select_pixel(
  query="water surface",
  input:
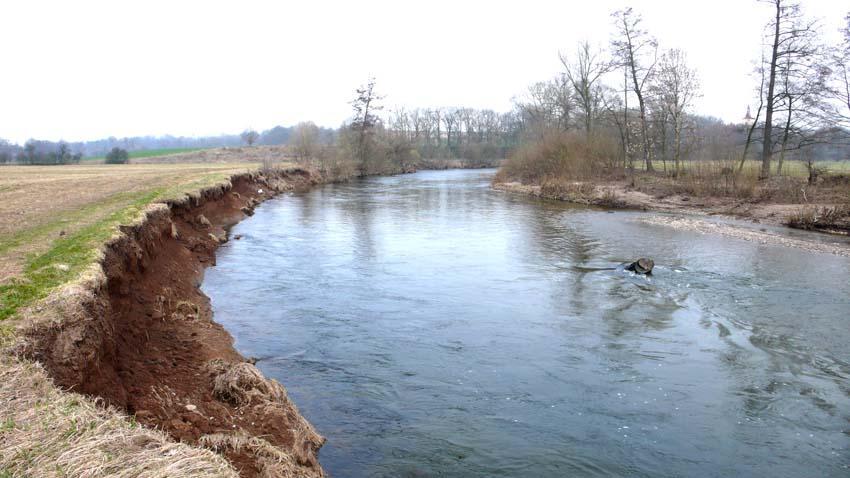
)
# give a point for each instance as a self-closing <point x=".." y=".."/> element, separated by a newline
<point x="430" y="326"/>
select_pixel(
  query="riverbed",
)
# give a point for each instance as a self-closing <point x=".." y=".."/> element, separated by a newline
<point x="428" y="325"/>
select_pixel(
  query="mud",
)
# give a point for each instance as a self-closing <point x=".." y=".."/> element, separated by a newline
<point x="144" y="340"/>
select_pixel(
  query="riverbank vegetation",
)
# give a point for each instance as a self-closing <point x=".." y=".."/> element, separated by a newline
<point x="405" y="140"/>
<point x="622" y="114"/>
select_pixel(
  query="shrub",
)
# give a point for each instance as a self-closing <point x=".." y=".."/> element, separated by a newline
<point x="829" y="217"/>
<point x="562" y="156"/>
<point x="117" y="156"/>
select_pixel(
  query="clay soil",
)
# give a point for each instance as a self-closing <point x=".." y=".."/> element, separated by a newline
<point x="149" y="345"/>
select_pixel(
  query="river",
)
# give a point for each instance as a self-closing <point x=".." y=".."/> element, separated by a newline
<point x="428" y="325"/>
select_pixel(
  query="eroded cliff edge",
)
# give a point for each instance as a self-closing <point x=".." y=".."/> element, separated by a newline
<point x="137" y="333"/>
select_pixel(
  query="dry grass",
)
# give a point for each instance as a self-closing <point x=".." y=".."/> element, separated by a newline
<point x="242" y="384"/>
<point x="239" y="383"/>
<point x="701" y="179"/>
<point x="49" y="433"/>
<point x="834" y="218"/>
<point x="273" y="461"/>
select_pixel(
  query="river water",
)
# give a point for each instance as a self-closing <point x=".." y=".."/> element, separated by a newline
<point x="430" y="326"/>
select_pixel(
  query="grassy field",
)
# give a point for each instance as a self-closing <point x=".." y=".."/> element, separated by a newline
<point x="53" y="219"/>
<point x="789" y="168"/>
<point x="145" y="153"/>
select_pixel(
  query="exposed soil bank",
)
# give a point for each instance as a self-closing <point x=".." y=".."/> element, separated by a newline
<point x="143" y="339"/>
<point x="618" y="195"/>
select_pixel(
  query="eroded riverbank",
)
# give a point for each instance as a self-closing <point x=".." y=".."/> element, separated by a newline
<point x="138" y="334"/>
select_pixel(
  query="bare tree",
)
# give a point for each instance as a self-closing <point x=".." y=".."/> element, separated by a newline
<point x="791" y="43"/>
<point x="305" y="140"/>
<point x="584" y="72"/>
<point x="365" y="104"/>
<point x="249" y="136"/>
<point x="435" y="119"/>
<point x="418" y="122"/>
<point x="613" y="107"/>
<point x="547" y="105"/>
<point x="675" y="87"/>
<point x="637" y="52"/>
<point x="802" y="94"/>
<point x="451" y="118"/>
<point x="838" y="88"/>
<point x="401" y="124"/>
<point x="466" y="126"/>
<point x="755" y="121"/>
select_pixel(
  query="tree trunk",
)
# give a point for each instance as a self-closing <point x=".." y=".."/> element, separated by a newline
<point x="784" y="138"/>
<point x="767" y="142"/>
<point x="627" y="143"/>
<point x="644" y="133"/>
<point x="678" y="152"/>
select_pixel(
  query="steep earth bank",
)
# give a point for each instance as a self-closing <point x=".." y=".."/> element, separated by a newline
<point x="142" y="337"/>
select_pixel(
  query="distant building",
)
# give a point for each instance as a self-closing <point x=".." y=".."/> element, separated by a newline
<point x="748" y="119"/>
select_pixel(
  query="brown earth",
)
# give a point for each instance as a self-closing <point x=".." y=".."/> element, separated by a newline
<point x="144" y="340"/>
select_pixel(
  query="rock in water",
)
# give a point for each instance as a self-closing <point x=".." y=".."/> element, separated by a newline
<point x="641" y="266"/>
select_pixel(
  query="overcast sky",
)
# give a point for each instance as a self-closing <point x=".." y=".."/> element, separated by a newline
<point x="85" y="70"/>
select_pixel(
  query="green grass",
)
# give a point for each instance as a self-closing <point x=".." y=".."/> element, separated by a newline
<point x="25" y="236"/>
<point x="76" y="251"/>
<point x="69" y="256"/>
<point x="789" y="167"/>
<point x="146" y="153"/>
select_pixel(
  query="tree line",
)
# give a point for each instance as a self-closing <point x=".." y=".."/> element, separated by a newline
<point x="373" y="141"/>
<point x="456" y="132"/>
<point x="64" y="152"/>
<point x="39" y="152"/>
<point x="641" y="96"/>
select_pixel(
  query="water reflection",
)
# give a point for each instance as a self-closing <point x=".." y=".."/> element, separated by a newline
<point x="428" y="325"/>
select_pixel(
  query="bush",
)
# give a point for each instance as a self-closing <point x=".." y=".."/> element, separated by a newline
<point x="117" y="156"/>
<point x="829" y="217"/>
<point x="562" y="156"/>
